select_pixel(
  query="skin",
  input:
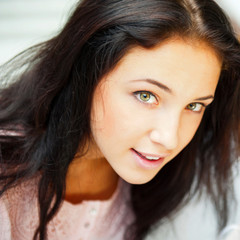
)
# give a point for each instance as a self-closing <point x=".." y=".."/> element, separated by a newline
<point x="153" y="102"/>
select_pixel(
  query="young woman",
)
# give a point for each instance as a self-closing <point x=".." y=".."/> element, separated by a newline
<point x="109" y="127"/>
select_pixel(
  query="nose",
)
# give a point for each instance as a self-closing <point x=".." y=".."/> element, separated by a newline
<point x="165" y="131"/>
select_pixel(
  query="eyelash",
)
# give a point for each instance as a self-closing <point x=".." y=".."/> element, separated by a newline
<point x="137" y="95"/>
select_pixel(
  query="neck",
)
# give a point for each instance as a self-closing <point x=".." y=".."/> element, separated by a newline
<point x="90" y="179"/>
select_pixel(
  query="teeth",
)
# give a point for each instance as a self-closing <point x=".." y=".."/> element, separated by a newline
<point x="152" y="158"/>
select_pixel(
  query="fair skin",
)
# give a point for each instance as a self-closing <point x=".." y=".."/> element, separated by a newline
<point x="145" y="111"/>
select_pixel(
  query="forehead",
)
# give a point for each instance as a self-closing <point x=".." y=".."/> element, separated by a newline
<point x="174" y="49"/>
<point x="175" y="62"/>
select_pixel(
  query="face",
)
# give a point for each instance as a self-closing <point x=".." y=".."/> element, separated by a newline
<point x="149" y="107"/>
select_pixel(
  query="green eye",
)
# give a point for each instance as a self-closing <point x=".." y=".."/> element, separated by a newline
<point x="144" y="96"/>
<point x="191" y="106"/>
<point x="195" y="107"/>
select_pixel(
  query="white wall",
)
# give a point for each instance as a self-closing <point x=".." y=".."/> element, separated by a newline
<point x="27" y="22"/>
<point x="232" y="7"/>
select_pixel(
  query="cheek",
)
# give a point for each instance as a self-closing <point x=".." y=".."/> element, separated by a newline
<point x="110" y="118"/>
<point x="188" y="130"/>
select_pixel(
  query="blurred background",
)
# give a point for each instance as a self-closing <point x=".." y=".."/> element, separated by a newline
<point x="26" y="22"/>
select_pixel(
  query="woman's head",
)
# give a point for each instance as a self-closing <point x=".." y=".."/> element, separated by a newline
<point x="151" y="104"/>
<point x="104" y="33"/>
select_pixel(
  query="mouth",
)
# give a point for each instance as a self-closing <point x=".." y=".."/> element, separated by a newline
<point x="146" y="156"/>
<point x="148" y="160"/>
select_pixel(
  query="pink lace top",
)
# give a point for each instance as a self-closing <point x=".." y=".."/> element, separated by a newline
<point x="90" y="220"/>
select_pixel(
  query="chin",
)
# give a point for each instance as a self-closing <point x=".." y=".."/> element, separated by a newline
<point x="138" y="180"/>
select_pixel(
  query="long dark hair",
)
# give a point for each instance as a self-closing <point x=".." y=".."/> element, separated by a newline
<point x="46" y="103"/>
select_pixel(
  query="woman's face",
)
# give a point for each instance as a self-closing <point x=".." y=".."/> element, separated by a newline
<point x="149" y="107"/>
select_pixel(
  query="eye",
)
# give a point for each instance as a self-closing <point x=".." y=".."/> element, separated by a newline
<point x="146" y="97"/>
<point x="195" y="107"/>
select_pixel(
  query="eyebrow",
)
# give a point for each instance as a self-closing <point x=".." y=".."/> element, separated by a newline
<point x="158" y="84"/>
<point x="204" y="98"/>
<point x="168" y="90"/>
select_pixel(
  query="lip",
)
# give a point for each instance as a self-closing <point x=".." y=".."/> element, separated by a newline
<point x="146" y="163"/>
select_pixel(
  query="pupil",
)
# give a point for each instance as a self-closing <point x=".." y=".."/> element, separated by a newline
<point x="145" y="96"/>
<point x="192" y="106"/>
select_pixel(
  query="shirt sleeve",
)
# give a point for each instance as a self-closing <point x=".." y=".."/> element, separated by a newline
<point x="5" y="225"/>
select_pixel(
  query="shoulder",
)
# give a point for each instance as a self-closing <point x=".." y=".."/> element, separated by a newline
<point x="5" y="226"/>
<point x="19" y="211"/>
